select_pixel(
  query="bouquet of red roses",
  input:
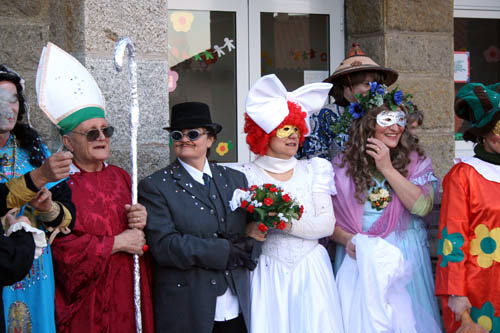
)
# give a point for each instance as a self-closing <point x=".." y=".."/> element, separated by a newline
<point x="269" y="205"/>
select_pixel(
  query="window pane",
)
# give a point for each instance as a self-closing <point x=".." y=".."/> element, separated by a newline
<point x="481" y="38"/>
<point x="202" y="60"/>
<point x="295" y="47"/>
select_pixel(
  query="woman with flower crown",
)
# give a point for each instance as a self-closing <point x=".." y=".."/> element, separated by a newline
<point x="385" y="184"/>
<point x="292" y="288"/>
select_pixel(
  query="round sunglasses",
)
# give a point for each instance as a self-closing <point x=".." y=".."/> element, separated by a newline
<point x="192" y="135"/>
<point x="94" y="134"/>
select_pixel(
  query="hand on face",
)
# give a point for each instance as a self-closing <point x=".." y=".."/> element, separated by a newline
<point x="380" y="153"/>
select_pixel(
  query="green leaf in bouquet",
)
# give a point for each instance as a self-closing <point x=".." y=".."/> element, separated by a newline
<point x="260" y="196"/>
<point x="261" y="213"/>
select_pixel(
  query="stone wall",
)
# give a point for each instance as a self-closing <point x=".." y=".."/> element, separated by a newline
<point x="416" y="39"/>
<point x="88" y="29"/>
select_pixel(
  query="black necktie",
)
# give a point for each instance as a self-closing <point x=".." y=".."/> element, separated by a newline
<point x="206" y="179"/>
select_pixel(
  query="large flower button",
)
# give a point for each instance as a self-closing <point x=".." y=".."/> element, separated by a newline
<point x="485" y="317"/>
<point x="449" y="247"/>
<point x="486" y="245"/>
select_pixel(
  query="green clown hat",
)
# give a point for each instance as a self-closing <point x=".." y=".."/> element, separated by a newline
<point x="67" y="93"/>
<point x="479" y="105"/>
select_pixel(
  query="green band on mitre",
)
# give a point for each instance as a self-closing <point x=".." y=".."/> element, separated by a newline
<point x="76" y="118"/>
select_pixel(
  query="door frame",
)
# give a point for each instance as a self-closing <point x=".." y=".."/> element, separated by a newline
<point x="248" y="41"/>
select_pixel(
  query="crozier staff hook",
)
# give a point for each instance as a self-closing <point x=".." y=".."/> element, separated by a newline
<point x="121" y="46"/>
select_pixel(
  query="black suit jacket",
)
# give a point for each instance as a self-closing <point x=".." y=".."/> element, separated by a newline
<point x="183" y="233"/>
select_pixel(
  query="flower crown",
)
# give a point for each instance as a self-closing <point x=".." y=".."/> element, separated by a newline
<point x="377" y="96"/>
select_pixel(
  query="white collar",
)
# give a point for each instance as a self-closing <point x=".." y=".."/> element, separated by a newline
<point x="275" y="165"/>
<point x="488" y="170"/>
<point x="74" y="169"/>
<point x="195" y="173"/>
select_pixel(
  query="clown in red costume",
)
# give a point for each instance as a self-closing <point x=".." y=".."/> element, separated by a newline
<point x="469" y="226"/>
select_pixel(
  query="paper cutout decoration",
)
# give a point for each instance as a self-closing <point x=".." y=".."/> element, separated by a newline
<point x="224" y="147"/>
<point x="202" y="59"/>
<point x="492" y="54"/>
<point x="173" y="76"/>
<point x="299" y="55"/>
<point x="211" y="56"/>
<point x="182" y="21"/>
<point x="462" y="67"/>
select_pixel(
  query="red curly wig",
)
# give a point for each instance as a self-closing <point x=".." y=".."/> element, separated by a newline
<point x="258" y="139"/>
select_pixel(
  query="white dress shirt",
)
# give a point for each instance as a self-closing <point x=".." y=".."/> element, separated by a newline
<point x="227" y="306"/>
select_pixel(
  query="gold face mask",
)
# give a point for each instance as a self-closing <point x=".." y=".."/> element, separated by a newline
<point x="286" y="131"/>
<point x="496" y="129"/>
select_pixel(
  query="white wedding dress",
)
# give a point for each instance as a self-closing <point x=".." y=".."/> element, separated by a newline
<point x="293" y="288"/>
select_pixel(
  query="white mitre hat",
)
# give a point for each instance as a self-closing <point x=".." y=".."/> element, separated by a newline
<point x="267" y="101"/>
<point x="66" y="91"/>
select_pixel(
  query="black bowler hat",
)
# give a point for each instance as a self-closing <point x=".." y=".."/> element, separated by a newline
<point x="191" y="115"/>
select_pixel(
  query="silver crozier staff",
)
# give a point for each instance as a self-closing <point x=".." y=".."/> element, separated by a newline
<point x="123" y="44"/>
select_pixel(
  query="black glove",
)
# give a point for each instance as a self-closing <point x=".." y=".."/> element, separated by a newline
<point x="240" y="253"/>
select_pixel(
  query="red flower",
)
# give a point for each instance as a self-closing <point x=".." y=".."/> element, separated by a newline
<point x="244" y="203"/>
<point x="253" y="187"/>
<point x="273" y="189"/>
<point x="268" y="201"/>
<point x="262" y="227"/>
<point x="282" y="225"/>
<point x="268" y="185"/>
<point x="250" y="208"/>
<point x="286" y="197"/>
<point x="301" y="211"/>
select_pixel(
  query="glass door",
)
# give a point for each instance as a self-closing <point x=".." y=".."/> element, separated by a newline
<point x="477" y="53"/>
<point x="219" y="48"/>
<point x="208" y="56"/>
<point x="300" y="41"/>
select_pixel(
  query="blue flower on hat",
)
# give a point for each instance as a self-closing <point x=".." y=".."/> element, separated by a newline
<point x="398" y="97"/>
<point x="380" y="89"/>
<point x="356" y="110"/>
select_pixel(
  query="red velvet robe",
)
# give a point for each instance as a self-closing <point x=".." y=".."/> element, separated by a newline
<point x="94" y="289"/>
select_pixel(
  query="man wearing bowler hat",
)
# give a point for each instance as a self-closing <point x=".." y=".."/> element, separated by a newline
<point x="202" y="256"/>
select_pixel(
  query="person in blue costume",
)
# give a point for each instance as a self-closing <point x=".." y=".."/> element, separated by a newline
<point x="30" y="180"/>
<point x="385" y="185"/>
<point x="330" y="125"/>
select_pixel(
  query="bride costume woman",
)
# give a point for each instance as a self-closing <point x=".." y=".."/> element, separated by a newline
<point x="293" y="288"/>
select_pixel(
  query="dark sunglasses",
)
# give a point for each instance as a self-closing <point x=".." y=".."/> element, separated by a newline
<point x="94" y="134"/>
<point x="192" y="134"/>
